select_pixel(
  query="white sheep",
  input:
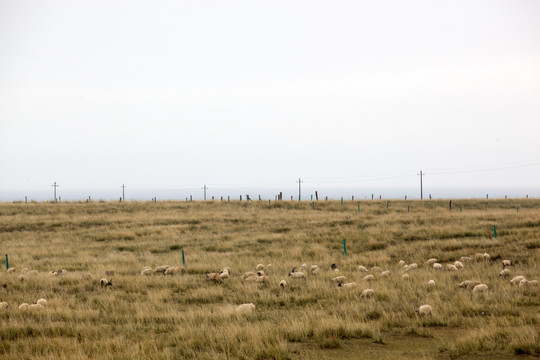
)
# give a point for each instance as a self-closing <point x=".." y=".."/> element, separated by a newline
<point x="23" y="307"/>
<point x="224" y="275"/>
<point x="213" y="277"/>
<point x="245" y="308"/>
<point x="3" y="305"/>
<point x="21" y="278"/>
<point x="517" y="279"/>
<point x="35" y="307"/>
<point x="362" y="268"/>
<point x="367" y="293"/>
<point x="110" y="272"/>
<point x="458" y="265"/>
<point x="334" y="267"/>
<point x="486" y="257"/>
<point x="506" y="263"/>
<point x="179" y="270"/>
<point x="480" y="288"/>
<point x="259" y="267"/>
<point x="268" y="267"/>
<point x="401" y="263"/>
<point x="376" y="268"/>
<point x="405" y="277"/>
<point x="104" y="282"/>
<point x="479" y="257"/>
<point x="348" y="286"/>
<point x="368" y="278"/>
<point x="161" y="269"/>
<point x="147" y="271"/>
<point x="431" y="283"/>
<point x="437" y="266"/>
<point x="263" y="280"/>
<point x="24" y="270"/>
<point x="385" y="273"/>
<point x="504" y="272"/>
<point x="431" y="261"/>
<point x="424" y="310"/>
<point x="297" y="275"/>
<point x="340" y="279"/>
<point x="413" y="266"/>
<point x="315" y="269"/>
<point x="251" y="278"/>
<point x="53" y="273"/>
<point x="465" y="258"/>
<point x="526" y="282"/>
<point x="42" y="302"/>
<point x="283" y="284"/>
<point x="466" y="283"/>
<point x="61" y="272"/>
<point x="11" y="270"/>
<point x="472" y="285"/>
<point x="249" y="274"/>
<point x="451" y="267"/>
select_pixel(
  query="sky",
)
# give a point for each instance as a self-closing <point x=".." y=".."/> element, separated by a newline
<point x="177" y="94"/>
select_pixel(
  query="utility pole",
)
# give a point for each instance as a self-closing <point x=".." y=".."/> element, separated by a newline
<point x="421" y="189"/>
<point x="299" y="189"/>
<point x="123" y="192"/>
<point x="55" y="186"/>
<point x="204" y="188"/>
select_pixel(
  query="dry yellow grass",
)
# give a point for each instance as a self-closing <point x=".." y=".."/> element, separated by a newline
<point x="186" y="316"/>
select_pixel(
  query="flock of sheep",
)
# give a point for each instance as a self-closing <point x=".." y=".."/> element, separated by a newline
<point x="259" y="276"/>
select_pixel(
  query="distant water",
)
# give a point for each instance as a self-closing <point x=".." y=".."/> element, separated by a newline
<point x="271" y="193"/>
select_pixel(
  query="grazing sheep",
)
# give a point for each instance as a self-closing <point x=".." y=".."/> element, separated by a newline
<point x="147" y="271"/>
<point x="368" y="278"/>
<point x="472" y="284"/>
<point x="179" y="270"/>
<point x="340" y="279"/>
<point x="367" y="294"/>
<point x="362" y="268"/>
<point x="251" y="278"/>
<point x="303" y="266"/>
<point x="23" y="307"/>
<point x="53" y="273"/>
<point x="458" y="265"/>
<point x="401" y="263"/>
<point x="110" y="272"/>
<point x="21" y="278"/>
<point x="35" y="307"/>
<point x="479" y="257"/>
<point x="260" y="273"/>
<point x="259" y="267"/>
<point x="249" y="274"/>
<point x="414" y="266"/>
<point x="283" y="284"/>
<point x="405" y="277"/>
<point x="245" y="308"/>
<point x="314" y="268"/>
<point x="161" y="269"/>
<point x="316" y="271"/>
<point x="517" y="279"/>
<point x="465" y="283"/>
<point x="297" y="275"/>
<point x="224" y="275"/>
<point x="11" y="270"/>
<point x="451" y="267"/>
<point x="506" y="263"/>
<point x="526" y="282"/>
<point x="505" y="272"/>
<point x="87" y="277"/>
<point x="263" y="280"/>
<point x="42" y="302"/>
<point x="213" y="277"/>
<point x="348" y="286"/>
<point x="424" y="310"/>
<point x="437" y="266"/>
<point x="268" y="267"/>
<point x="480" y="288"/>
<point x="104" y="282"/>
<point x="334" y="267"/>
<point x="385" y="273"/>
<point x="61" y="272"/>
<point x="431" y="261"/>
<point x="431" y="283"/>
<point x="376" y="268"/>
<point x="24" y="270"/>
<point x="3" y="305"/>
<point x="486" y="257"/>
<point x="465" y="258"/>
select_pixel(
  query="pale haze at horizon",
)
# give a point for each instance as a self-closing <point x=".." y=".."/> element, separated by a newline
<point x="258" y="94"/>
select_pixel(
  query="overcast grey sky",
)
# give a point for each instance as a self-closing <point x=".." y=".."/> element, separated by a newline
<point x="257" y="93"/>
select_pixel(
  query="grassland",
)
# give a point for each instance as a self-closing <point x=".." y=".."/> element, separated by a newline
<point x="188" y="317"/>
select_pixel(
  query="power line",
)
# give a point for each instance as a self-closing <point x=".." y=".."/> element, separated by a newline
<point x="55" y="186"/>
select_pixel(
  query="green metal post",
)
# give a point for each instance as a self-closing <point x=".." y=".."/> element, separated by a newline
<point x="183" y="259"/>
<point x="342" y="201"/>
<point x="408" y="208"/>
<point x="7" y="263"/>
<point x="494" y="232"/>
<point x="358" y="209"/>
<point x="190" y="198"/>
<point x="517" y="209"/>
<point x="228" y="199"/>
<point x="344" y="248"/>
<point x="387" y="204"/>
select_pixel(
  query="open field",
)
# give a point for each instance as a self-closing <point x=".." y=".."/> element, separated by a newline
<point x="188" y="317"/>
